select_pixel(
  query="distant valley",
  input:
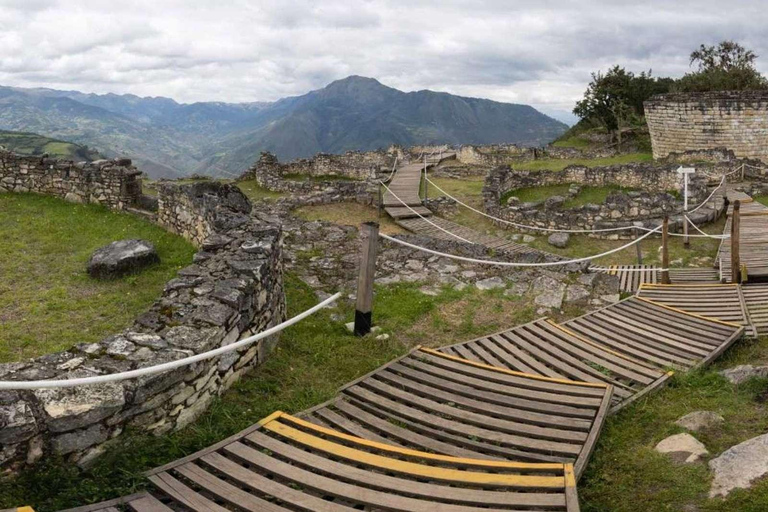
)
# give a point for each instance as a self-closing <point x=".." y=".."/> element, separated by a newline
<point x="170" y="139"/>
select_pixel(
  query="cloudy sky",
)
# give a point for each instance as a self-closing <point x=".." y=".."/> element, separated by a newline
<point x="535" y="52"/>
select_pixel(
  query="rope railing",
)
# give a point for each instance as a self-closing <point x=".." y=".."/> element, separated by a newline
<point x="554" y="230"/>
<point x="422" y="217"/>
<point x="518" y="264"/>
<point x="164" y="367"/>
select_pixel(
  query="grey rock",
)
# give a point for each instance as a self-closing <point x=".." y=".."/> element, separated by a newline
<point x="197" y="340"/>
<point x="740" y="466"/>
<point x="576" y="294"/>
<point x="517" y="289"/>
<point x="152" y="341"/>
<point x="80" y="439"/>
<point x="549" y="291"/>
<point x="119" y="347"/>
<point x="528" y="238"/>
<point x="490" y="283"/>
<point x="682" y="448"/>
<point x="699" y="420"/>
<point x="122" y="257"/>
<point x="432" y="291"/>
<point x="744" y="372"/>
<point x="17" y="423"/>
<point x="71" y="408"/>
<point x="559" y="240"/>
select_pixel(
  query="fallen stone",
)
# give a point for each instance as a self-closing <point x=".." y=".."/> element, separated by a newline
<point x="549" y="292"/>
<point x="744" y="372"/>
<point x="528" y="239"/>
<point x="559" y="240"/>
<point x="517" y="289"/>
<point x="682" y="448"/>
<point x="490" y="283"/>
<point x="739" y="466"/>
<point x="121" y="257"/>
<point x="699" y="420"/>
<point x="576" y="294"/>
<point x="382" y="337"/>
<point x="432" y="291"/>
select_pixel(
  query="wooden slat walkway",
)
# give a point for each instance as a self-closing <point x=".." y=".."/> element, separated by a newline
<point x="139" y="502"/>
<point x="287" y="464"/>
<point x="436" y="402"/>
<point x="753" y="238"/>
<point x="544" y="348"/>
<point x="721" y="301"/>
<point x="660" y="336"/>
<point x="631" y="277"/>
<point x="756" y="300"/>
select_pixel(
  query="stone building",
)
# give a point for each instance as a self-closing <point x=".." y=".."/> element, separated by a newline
<point x="731" y="120"/>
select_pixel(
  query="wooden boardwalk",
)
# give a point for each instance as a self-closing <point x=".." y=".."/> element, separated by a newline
<point x="660" y="336"/>
<point x="756" y="300"/>
<point x="545" y="348"/>
<point x="403" y="196"/>
<point x="631" y="277"/>
<point x="721" y="301"/>
<point x="287" y="464"/>
<point x="753" y="239"/>
<point x="436" y="402"/>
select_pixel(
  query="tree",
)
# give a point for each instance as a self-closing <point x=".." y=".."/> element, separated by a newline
<point x="727" y="66"/>
<point x="614" y="100"/>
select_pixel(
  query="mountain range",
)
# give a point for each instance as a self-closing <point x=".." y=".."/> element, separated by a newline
<point x="170" y="139"/>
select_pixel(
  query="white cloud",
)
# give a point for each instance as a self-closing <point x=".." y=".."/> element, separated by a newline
<point x="535" y="52"/>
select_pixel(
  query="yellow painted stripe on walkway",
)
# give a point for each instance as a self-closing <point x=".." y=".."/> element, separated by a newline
<point x="416" y="453"/>
<point x="702" y="317"/>
<point x="512" y="372"/>
<point x="411" y="468"/>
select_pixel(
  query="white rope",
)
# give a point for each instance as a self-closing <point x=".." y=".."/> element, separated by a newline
<point x="516" y="264"/>
<point x="422" y="217"/>
<point x="722" y="182"/>
<point x="641" y="228"/>
<point x="524" y="225"/>
<point x="164" y="367"/>
<point x="707" y="235"/>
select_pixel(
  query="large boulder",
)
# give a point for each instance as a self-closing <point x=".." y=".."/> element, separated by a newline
<point x="122" y="257"/>
<point x="559" y="239"/>
<point x="682" y="448"/>
<point x="739" y="466"/>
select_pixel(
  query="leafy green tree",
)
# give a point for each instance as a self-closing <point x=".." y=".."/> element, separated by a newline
<point x="725" y="67"/>
<point x="614" y="100"/>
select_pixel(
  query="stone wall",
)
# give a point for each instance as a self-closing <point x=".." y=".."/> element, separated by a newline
<point x="733" y="120"/>
<point x="644" y="206"/>
<point x="504" y="154"/>
<point x="269" y="173"/>
<point x="233" y="289"/>
<point x="354" y="165"/>
<point x="113" y="183"/>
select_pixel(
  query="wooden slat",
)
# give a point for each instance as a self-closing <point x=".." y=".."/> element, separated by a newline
<point x="287" y="463"/>
<point x="434" y="401"/>
<point x="545" y="348"/>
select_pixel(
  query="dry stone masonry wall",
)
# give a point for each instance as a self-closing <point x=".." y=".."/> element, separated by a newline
<point x="359" y="169"/>
<point x="233" y="289"/>
<point x="113" y="183"/>
<point x="644" y="206"/>
<point x="732" y="120"/>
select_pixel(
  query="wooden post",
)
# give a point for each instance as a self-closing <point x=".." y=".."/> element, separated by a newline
<point x="686" y="240"/>
<point x="665" y="251"/>
<point x="369" y="234"/>
<point x="735" y="259"/>
<point x="638" y="248"/>
<point x="426" y="183"/>
<point x="381" y="199"/>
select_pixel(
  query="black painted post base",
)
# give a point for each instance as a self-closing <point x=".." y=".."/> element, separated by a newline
<point x="363" y="323"/>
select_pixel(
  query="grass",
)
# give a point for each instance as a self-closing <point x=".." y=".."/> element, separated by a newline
<point x="761" y="199"/>
<point x="312" y="359"/>
<point x="558" y="164"/>
<point x="317" y="178"/>
<point x="47" y="300"/>
<point x="572" y="142"/>
<point x="349" y="214"/>
<point x="626" y="474"/>
<point x="258" y="193"/>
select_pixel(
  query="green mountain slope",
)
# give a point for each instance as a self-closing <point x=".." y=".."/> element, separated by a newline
<point x="25" y="143"/>
<point x="356" y="113"/>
